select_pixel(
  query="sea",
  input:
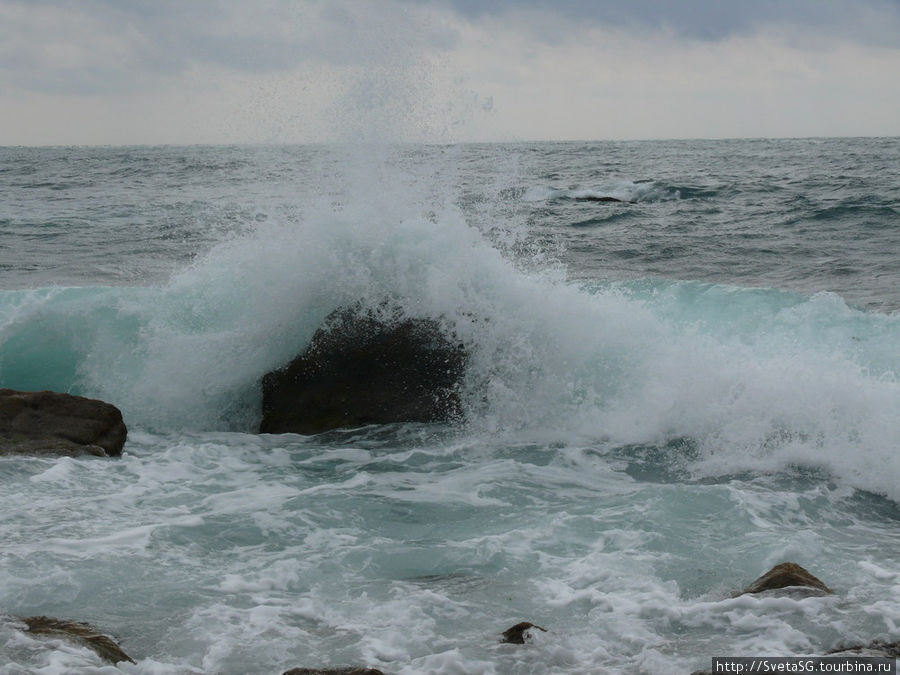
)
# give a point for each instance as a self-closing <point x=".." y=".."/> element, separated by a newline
<point x="665" y="396"/>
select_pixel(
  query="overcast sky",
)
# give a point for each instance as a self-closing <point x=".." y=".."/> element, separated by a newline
<point x="268" y="71"/>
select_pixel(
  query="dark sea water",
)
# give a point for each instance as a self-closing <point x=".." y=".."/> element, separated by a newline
<point x="666" y="395"/>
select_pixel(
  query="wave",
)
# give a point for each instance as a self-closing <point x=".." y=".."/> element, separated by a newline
<point x="641" y="191"/>
<point x="605" y="219"/>
<point x="759" y="379"/>
<point x="623" y="191"/>
<point x="876" y="216"/>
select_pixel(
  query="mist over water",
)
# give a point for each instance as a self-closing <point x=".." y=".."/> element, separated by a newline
<point x="665" y="396"/>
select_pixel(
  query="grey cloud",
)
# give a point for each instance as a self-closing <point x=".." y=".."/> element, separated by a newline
<point x="114" y="46"/>
<point x="872" y="21"/>
<point x="117" y="45"/>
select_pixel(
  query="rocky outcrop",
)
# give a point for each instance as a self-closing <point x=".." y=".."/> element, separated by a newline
<point x="519" y="634"/>
<point x="47" y="422"/>
<point x="80" y="633"/>
<point x="787" y="575"/>
<point x="361" y="368"/>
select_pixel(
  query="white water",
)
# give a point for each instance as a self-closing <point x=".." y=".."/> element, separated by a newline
<point x="633" y="454"/>
<point x="759" y="379"/>
<point x="411" y="550"/>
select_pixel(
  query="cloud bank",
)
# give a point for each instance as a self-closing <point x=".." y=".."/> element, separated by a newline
<point x="140" y="71"/>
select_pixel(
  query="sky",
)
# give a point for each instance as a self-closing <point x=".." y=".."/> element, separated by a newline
<point x="287" y="71"/>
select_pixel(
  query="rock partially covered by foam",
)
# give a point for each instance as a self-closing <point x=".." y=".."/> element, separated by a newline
<point x="48" y="422"/>
<point x="365" y="367"/>
<point x="520" y="633"/>
<point x="788" y="575"/>
<point x="79" y="633"/>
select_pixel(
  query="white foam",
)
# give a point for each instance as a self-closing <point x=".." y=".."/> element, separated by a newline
<point x="411" y="550"/>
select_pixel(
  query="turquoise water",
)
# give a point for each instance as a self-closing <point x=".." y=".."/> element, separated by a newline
<point x="665" y="397"/>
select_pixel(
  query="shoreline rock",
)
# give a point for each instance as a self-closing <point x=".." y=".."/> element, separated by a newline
<point x="795" y="579"/>
<point x="52" y="423"/>
<point x="80" y="633"/>
<point x="519" y="634"/>
<point x="361" y="368"/>
<point x="787" y="575"/>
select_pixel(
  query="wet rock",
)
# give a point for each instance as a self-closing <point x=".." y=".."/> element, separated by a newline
<point x="877" y="648"/>
<point x="787" y="575"/>
<point x="48" y="422"/>
<point x="361" y="368"/>
<point x="592" y="198"/>
<point x="333" y="671"/>
<point x="518" y="634"/>
<point x="80" y="633"/>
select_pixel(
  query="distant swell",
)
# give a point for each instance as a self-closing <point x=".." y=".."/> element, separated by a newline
<point x="622" y="191"/>
<point x="871" y="215"/>
<point x="630" y="191"/>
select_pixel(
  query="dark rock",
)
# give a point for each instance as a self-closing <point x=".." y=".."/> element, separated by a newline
<point x="592" y="198"/>
<point x="517" y="635"/>
<point x="333" y="671"/>
<point x="79" y="633"/>
<point x="361" y="368"/>
<point x="47" y="422"/>
<point x="877" y="648"/>
<point x="786" y="575"/>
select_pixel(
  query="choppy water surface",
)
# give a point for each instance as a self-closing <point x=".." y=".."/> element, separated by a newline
<point x="666" y="396"/>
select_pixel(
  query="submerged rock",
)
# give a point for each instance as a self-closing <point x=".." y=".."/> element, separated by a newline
<point x="787" y="575"/>
<point x="79" y="633"/>
<point x="48" y="422"/>
<point x="593" y="198"/>
<point x="518" y="634"/>
<point x="363" y="369"/>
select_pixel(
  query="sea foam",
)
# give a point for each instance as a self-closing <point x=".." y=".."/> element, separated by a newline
<point x="755" y="378"/>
